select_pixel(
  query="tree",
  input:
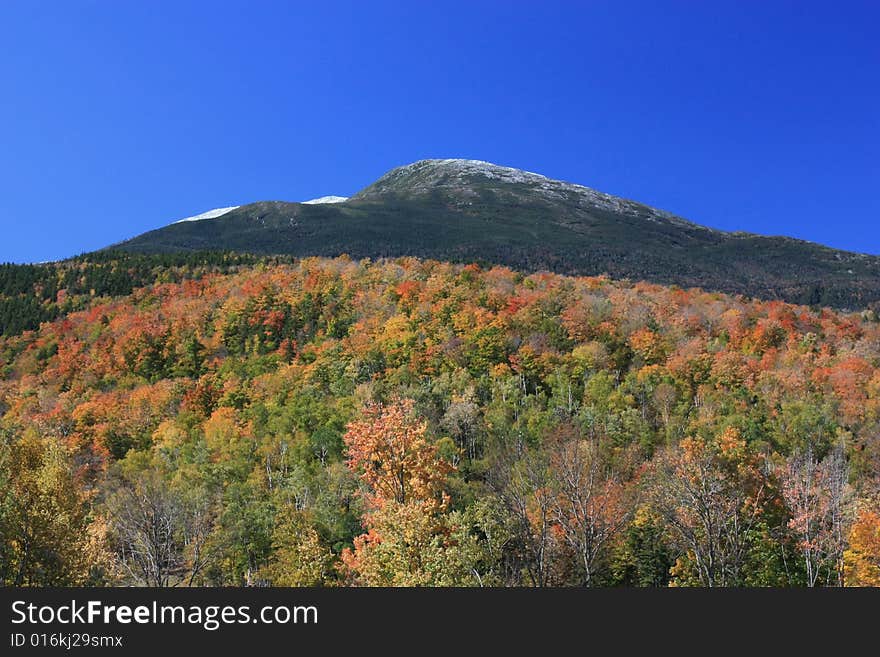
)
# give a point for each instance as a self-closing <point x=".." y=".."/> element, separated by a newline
<point x="462" y="421"/>
<point x="161" y="532"/>
<point x="408" y="545"/>
<point x="588" y="503"/>
<point x="44" y="525"/>
<point x="861" y="562"/>
<point x="523" y="486"/>
<point x="299" y="557"/>
<point x="642" y="556"/>
<point x="190" y="358"/>
<point x="710" y="495"/>
<point x="407" y="542"/>
<point x="389" y="449"/>
<point x="816" y="493"/>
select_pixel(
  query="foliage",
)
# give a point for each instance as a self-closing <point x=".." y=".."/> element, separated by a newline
<point x="862" y="559"/>
<point x="410" y="422"/>
<point x="45" y="536"/>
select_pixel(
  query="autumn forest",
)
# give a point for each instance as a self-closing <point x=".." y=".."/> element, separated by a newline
<point x="335" y="422"/>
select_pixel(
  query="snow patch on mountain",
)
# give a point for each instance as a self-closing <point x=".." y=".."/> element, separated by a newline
<point x="326" y="199"/>
<point x="210" y="214"/>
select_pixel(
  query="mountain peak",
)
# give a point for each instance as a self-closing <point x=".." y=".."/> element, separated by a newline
<point x="476" y="167"/>
<point x="423" y="175"/>
<point x="466" y="180"/>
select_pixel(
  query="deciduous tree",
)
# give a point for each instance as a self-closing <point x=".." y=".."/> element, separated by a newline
<point x="710" y="494"/>
<point x="861" y="562"/>
<point x="817" y="494"/>
<point x="589" y="503"/>
<point x="389" y="449"/>
<point x="44" y="537"/>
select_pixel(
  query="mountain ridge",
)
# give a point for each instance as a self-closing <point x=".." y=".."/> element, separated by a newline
<point x="471" y="210"/>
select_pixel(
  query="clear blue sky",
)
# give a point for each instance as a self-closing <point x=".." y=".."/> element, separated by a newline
<point x="119" y="116"/>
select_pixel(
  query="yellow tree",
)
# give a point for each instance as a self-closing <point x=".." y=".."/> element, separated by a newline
<point x="861" y="562"/>
<point x="407" y="545"/>
<point x="299" y="558"/>
<point x="44" y="528"/>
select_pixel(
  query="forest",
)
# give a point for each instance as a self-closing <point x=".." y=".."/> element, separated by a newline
<point x="407" y="422"/>
<point x="32" y="294"/>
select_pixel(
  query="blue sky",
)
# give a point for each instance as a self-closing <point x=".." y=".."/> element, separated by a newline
<point x="119" y="116"/>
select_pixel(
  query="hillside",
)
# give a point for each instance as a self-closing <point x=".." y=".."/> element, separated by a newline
<point x="469" y="211"/>
<point x="31" y="294"/>
<point x="410" y="422"/>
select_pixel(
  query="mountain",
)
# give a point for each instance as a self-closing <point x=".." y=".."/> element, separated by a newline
<point x="473" y="211"/>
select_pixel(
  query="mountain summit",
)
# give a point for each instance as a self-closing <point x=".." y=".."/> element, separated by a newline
<point x="471" y="178"/>
<point x="474" y="211"/>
